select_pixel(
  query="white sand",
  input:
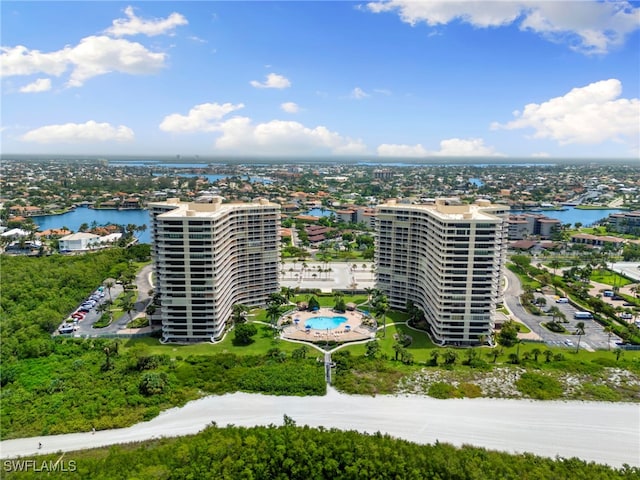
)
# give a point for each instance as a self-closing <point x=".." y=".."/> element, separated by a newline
<point x="606" y="433"/>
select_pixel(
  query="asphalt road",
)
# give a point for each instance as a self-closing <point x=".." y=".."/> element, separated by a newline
<point x="143" y="283"/>
<point x="593" y="339"/>
<point x="594" y="431"/>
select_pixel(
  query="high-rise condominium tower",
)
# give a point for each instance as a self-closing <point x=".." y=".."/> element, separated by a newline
<point x="209" y="257"/>
<point x="447" y="259"/>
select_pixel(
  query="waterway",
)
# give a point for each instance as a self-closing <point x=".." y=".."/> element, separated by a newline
<point x="80" y="215"/>
<point x="319" y="212"/>
<point x="572" y="215"/>
<point x="215" y="177"/>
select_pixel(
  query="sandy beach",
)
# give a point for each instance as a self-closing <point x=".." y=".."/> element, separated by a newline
<point x="606" y="433"/>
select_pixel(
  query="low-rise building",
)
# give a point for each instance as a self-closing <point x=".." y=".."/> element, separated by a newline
<point x="625" y="222"/>
<point x="79" y="242"/>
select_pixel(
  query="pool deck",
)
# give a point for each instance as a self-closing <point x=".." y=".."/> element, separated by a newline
<point x="355" y="332"/>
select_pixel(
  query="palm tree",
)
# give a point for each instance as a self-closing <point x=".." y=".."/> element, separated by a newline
<point x="277" y="298"/>
<point x="150" y="310"/>
<point x="369" y="293"/>
<point x="555" y="312"/>
<point x="495" y="353"/>
<point x="536" y="353"/>
<point x="434" y="357"/>
<point x="450" y="357"/>
<point x="238" y="313"/>
<point x="579" y="331"/>
<point x="273" y="312"/>
<point x="618" y="353"/>
<point x="609" y="331"/>
<point x="548" y="354"/>
<point x="109" y="283"/>
<point x="380" y="310"/>
<point x="555" y="264"/>
<point x="105" y="307"/>
<point x="398" y="348"/>
<point x="128" y="306"/>
<point x="287" y="293"/>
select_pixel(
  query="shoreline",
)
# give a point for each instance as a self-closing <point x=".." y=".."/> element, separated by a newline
<point x="509" y="425"/>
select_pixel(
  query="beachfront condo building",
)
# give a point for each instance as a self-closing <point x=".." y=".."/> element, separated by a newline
<point x="209" y="256"/>
<point x="447" y="259"/>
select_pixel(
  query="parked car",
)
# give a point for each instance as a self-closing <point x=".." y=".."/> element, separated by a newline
<point x="66" y="328"/>
<point x="562" y="300"/>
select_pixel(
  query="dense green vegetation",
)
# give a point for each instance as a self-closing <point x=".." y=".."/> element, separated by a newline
<point x="58" y="385"/>
<point x="546" y="373"/>
<point x="574" y="284"/>
<point x="291" y="452"/>
<point x="37" y="293"/>
<point x="100" y="384"/>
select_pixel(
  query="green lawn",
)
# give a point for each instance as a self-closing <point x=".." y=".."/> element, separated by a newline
<point x="328" y="300"/>
<point x="609" y="278"/>
<point x="420" y="346"/>
<point x="263" y="342"/>
<point x="527" y="282"/>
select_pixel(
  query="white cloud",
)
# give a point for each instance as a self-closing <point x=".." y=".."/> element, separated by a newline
<point x="290" y="107"/>
<point x="540" y="155"/>
<point x="240" y="135"/>
<point x="197" y="39"/>
<point x="273" y="81"/>
<point x="89" y="132"/>
<point x="479" y="14"/>
<point x="590" y="27"/>
<point x="586" y="115"/>
<point x="93" y="56"/>
<point x="454" y="147"/>
<point x="200" y="118"/>
<point x="358" y="94"/>
<point x="395" y="150"/>
<point x="460" y="147"/>
<point x="19" y="60"/>
<point x="133" y="25"/>
<point x="40" y="85"/>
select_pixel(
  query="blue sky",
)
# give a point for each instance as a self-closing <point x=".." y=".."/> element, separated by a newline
<point x="390" y="79"/>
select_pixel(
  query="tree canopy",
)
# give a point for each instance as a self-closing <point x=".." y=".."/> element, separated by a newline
<point x="292" y="452"/>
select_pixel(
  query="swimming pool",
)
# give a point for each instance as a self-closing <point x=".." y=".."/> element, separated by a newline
<point x="323" y="322"/>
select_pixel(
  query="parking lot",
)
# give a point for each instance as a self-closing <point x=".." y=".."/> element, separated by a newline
<point x="594" y="338"/>
<point x="80" y="321"/>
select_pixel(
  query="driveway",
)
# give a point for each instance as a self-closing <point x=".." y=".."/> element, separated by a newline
<point x="594" y="338"/>
<point x="143" y="284"/>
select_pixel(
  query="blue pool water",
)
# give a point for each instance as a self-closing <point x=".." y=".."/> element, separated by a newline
<point x="322" y="323"/>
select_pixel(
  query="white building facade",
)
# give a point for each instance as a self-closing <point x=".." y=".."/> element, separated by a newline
<point x="79" y="242"/>
<point x="209" y="257"/>
<point x="447" y="260"/>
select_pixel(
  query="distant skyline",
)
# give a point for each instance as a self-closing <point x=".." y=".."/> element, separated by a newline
<point x="399" y="78"/>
